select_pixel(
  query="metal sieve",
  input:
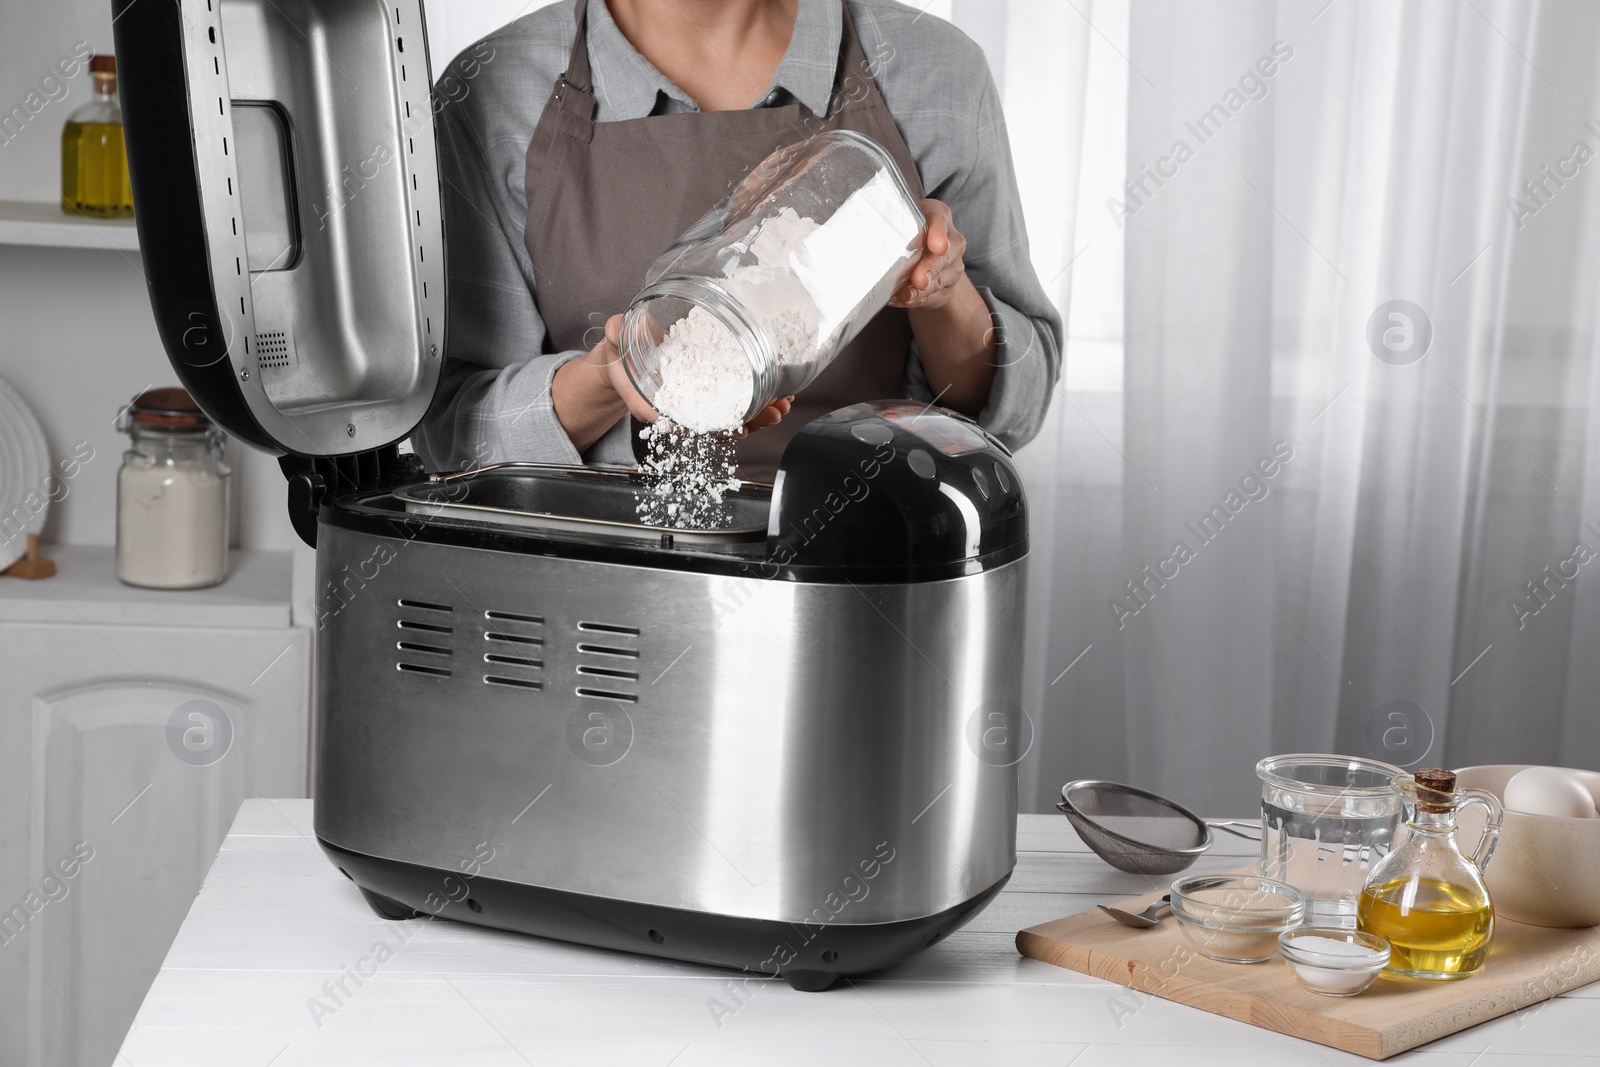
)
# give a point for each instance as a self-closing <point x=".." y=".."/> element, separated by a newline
<point x="1134" y="830"/>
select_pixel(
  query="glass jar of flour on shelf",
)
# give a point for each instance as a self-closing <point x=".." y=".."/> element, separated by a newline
<point x="762" y="293"/>
<point x="172" y="495"/>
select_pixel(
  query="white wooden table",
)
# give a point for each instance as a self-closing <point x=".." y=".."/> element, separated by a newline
<point x="275" y="921"/>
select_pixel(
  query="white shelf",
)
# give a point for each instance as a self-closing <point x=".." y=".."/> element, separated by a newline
<point x="45" y="225"/>
<point x="255" y="595"/>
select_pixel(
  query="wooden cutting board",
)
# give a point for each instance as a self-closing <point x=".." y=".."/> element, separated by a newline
<point x="1526" y="964"/>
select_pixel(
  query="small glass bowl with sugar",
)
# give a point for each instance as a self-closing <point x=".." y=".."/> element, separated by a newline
<point x="1236" y="918"/>
<point x="1334" y="961"/>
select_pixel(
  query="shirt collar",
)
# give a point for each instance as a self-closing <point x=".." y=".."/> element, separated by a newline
<point x="626" y="83"/>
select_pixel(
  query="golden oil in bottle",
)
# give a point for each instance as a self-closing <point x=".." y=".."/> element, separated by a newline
<point x="94" y="161"/>
<point x="1426" y="896"/>
<point x="1437" y="929"/>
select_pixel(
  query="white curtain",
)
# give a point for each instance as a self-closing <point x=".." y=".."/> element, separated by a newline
<point x="1065" y="102"/>
<point x="454" y="25"/>
<point x="1385" y="479"/>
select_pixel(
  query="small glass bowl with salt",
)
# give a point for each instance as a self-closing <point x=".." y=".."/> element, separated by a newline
<point x="1236" y="918"/>
<point x="1332" y="960"/>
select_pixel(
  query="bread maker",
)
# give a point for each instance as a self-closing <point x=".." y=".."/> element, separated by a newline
<point x="787" y="745"/>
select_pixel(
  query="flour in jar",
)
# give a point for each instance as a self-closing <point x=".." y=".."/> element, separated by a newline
<point x="707" y="383"/>
<point x="172" y="524"/>
<point x="801" y="284"/>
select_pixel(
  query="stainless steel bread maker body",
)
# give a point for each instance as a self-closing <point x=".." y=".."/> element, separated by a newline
<point x="786" y="745"/>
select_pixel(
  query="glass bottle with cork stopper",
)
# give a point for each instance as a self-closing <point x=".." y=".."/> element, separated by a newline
<point x="1426" y="897"/>
<point x="94" y="162"/>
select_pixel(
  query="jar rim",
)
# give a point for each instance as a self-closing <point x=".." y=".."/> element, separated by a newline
<point x="1270" y="771"/>
<point x="168" y="410"/>
<point x="706" y="294"/>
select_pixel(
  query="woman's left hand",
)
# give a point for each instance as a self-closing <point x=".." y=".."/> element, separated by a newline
<point x="940" y="271"/>
<point x="956" y="332"/>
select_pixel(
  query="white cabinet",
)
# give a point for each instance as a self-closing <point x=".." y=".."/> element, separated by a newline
<point x="132" y="725"/>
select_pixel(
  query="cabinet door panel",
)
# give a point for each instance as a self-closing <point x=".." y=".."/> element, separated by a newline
<point x="136" y="749"/>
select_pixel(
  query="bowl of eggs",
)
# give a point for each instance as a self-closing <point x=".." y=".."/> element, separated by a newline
<point x="1546" y="868"/>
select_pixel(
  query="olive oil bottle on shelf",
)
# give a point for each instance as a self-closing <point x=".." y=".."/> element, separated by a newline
<point x="94" y="163"/>
<point x="1426" y="897"/>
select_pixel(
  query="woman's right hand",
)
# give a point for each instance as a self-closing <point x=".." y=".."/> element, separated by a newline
<point x="589" y="394"/>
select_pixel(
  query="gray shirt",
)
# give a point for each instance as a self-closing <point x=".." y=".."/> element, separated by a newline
<point x="494" y="403"/>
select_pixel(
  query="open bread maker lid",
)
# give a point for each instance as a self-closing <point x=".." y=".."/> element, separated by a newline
<point x="286" y="183"/>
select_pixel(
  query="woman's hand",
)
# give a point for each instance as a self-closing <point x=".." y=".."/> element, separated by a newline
<point x="770" y="415"/>
<point x="955" y="330"/>
<point x="593" y="391"/>
<point x="584" y="395"/>
<point x="609" y="353"/>
<point x="940" y="272"/>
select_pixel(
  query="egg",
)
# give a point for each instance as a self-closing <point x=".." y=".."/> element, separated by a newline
<point x="1549" y="791"/>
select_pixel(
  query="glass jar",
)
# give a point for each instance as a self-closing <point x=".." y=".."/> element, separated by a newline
<point x="172" y="495"/>
<point x="762" y="293"/>
<point x="94" y="161"/>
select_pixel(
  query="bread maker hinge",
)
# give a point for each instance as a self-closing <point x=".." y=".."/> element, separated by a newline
<point x="315" y="480"/>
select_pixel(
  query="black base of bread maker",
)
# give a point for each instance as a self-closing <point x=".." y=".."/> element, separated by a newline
<point x="808" y="956"/>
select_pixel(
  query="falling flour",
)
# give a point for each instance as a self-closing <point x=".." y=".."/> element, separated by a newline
<point x="685" y="477"/>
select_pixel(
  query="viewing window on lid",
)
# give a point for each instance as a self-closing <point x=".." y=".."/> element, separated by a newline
<point x="266" y="187"/>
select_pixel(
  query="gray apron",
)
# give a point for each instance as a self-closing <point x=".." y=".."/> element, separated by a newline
<point x="606" y="198"/>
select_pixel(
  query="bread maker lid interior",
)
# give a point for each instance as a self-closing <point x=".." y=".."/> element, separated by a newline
<point x="286" y="190"/>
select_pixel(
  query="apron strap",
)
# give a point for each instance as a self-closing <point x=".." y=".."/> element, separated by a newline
<point x="577" y="72"/>
<point x="570" y="110"/>
<point x="852" y="74"/>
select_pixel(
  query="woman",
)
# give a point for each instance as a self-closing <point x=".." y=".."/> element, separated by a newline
<point x="594" y="132"/>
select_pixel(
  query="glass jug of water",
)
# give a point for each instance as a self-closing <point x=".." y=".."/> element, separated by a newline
<point x="1325" y="821"/>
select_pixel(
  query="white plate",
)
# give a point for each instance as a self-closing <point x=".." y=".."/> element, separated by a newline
<point x="24" y="468"/>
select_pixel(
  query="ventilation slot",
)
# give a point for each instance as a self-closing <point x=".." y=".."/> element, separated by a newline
<point x="516" y="639"/>
<point x="607" y="628"/>
<point x="508" y="616"/>
<point x="426" y="637"/>
<point x="607" y="672"/>
<point x="519" y="683"/>
<point x="417" y="668"/>
<point x="608" y="650"/>
<point x="512" y="661"/>
<point x="514" y="649"/>
<point x="616" y="674"/>
<point x="603" y="694"/>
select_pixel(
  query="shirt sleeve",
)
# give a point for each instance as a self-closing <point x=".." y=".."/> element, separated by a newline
<point x="986" y="207"/>
<point x="494" y="402"/>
